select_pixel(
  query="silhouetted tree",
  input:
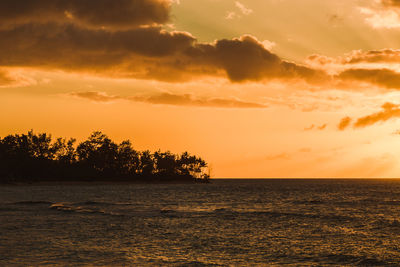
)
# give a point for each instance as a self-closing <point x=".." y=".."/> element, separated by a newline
<point x="128" y="160"/>
<point x="65" y="150"/>
<point x="146" y="166"/>
<point x="192" y="165"/>
<point x="35" y="157"/>
<point x="165" y="163"/>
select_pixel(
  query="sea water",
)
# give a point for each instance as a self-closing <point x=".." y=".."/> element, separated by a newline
<point x="227" y="222"/>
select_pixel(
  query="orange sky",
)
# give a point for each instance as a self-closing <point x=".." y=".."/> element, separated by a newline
<point x="274" y="88"/>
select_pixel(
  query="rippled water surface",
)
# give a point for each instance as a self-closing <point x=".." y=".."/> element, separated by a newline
<point x="228" y="222"/>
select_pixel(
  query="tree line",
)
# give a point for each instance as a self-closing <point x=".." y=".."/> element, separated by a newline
<point x="38" y="158"/>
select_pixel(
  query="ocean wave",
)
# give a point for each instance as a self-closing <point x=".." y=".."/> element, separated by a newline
<point x="314" y="202"/>
<point x="100" y="203"/>
<point x="27" y="203"/>
<point x="167" y="211"/>
<point x="77" y="209"/>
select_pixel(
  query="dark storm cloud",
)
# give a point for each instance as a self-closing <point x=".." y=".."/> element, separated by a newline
<point x="172" y="99"/>
<point x="92" y="13"/>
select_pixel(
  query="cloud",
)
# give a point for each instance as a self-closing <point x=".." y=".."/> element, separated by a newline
<point x="373" y="56"/>
<point x="391" y="3"/>
<point x="10" y="78"/>
<point x="231" y="15"/>
<point x="243" y="11"/>
<point x="243" y="8"/>
<point x="268" y="44"/>
<point x="344" y="123"/>
<point x="313" y="126"/>
<point x="382" y="77"/>
<point x="246" y="58"/>
<point x="383" y="14"/>
<point x="359" y="56"/>
<point x="100" y="13"/>
<point x="145" y="53"/>
<point x="96" y="96"/>
<point x="172" y="99"/>
<point x="376" y="67"/>
<point x="309" y="128"/>
<point x="5" y="79"/>
<point x="49" y="43"/>
<point x="389" y="19"/>
<point x="390" y="111"/>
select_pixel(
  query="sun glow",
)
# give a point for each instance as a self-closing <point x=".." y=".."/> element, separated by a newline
<point x="259" y="88"/>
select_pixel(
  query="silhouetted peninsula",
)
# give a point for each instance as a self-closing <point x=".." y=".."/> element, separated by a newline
<point x="36" y="158"/>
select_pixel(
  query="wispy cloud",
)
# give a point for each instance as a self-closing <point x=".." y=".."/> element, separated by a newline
<point x="316" y="127"/>
<point x="389" y="111"/>
<point x="386" y="56"/>
<point x="242" y="11"/>
<point x="245" y="10"/>
<point x="10" y="78"/>
<point x="171" y="99"/>
<point x="231" y="15"/>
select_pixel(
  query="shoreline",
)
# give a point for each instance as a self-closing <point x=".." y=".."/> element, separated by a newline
<point x="96" y="183"/>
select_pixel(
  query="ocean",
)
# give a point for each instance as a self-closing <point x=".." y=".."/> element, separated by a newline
<point x="225" y="223"/>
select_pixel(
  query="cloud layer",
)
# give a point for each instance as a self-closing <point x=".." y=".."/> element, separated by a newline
<point x="78" y="35"/>
<point x="381" y="77"/>
<point x="172" y="99"/>
<point x="129" y="41"/>
<point x="359" y="56"/>
<point x="100" y="13"/>
<point x="376" y="67"/>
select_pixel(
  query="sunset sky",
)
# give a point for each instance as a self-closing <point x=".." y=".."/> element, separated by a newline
<point x="271" y="88"/>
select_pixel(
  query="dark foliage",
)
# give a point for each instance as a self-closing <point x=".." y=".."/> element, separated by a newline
<point x="37" y="158"/>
